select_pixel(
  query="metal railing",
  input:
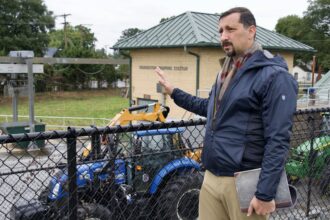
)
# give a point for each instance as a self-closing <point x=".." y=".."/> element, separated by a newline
<point x="56" y="122"/>
<point x="314" y="97"/>
<point x="143" y="171"/>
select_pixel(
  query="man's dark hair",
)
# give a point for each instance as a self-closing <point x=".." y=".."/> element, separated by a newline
<point x="246" y="16"/>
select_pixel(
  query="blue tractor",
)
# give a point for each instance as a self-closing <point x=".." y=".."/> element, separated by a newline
<point x="156" y="177"/>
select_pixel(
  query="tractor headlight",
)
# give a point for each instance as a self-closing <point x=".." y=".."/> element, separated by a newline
<point x="56" y="190"/>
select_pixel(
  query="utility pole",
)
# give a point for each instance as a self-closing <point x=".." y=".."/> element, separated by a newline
<point x="64" y="28"/>
<point x="313" y="69"/>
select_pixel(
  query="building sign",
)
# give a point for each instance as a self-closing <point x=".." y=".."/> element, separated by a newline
<point x="20" y="68"/>
<point x="170" y="68"/>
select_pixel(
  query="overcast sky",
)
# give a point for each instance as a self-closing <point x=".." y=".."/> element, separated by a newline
<point x="108" y="18"/>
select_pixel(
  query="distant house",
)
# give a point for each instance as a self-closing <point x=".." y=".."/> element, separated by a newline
<point x="187" y="47"/>
<point x="121" y="84"/>
<point x="94" y="84"/>
<point x="303" y="74"/>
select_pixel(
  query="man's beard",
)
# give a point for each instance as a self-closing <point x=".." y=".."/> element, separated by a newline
<point x="231" y="53"/>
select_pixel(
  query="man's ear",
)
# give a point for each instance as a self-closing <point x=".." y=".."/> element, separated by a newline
<point x="252" y="31"/>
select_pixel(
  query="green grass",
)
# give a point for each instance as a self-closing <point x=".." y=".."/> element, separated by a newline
<point x="92" y="104"/>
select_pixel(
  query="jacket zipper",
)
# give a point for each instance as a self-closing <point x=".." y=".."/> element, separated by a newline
<point x="232" y="84"/>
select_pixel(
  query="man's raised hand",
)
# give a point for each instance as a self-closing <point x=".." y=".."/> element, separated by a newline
<point x="163" y="81"/>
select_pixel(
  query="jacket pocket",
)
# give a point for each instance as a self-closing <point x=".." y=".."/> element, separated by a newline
<point x="227" y="154"/>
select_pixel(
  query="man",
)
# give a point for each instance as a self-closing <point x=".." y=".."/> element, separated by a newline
<point x="249" y="117"/>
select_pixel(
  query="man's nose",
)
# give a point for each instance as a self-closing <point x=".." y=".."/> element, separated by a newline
<point x="223" y="36"/>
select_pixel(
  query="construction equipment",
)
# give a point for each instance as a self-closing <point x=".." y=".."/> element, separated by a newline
<point x="126" y="116"/>
<point x="156" y="178"/>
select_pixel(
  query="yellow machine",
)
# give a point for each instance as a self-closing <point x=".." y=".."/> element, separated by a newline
<point x="159" y="113"/>
<point x="126" y="116"/>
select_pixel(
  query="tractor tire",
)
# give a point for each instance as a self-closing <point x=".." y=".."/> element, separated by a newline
<point x="325" y="181"/>
<point x="43" y="197"/>
<point x="93" y="211"/>
<point x="180" y="196"/>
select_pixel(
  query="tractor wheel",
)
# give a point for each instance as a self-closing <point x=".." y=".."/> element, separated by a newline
<point x="89" y="211"/>
<point x="43" y="197"/>
<point x="325" y="181"/>
<point x="179" y="198"/>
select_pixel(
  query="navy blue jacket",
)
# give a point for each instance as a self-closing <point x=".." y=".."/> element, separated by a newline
<point x="252" y="126"/>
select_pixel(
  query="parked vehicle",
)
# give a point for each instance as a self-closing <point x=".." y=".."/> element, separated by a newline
<point x="155" y="176"/>
<point x="312" y="158"/>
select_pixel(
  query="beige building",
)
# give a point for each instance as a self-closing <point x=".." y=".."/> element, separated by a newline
<point x="187" y="48"/>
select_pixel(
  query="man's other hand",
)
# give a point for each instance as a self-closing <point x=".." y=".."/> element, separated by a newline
<point x="163" y="81"/>
<point x="261" y="207"/>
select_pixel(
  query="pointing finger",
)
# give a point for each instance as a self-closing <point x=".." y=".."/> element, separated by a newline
<point x="160" y="73"/>
<point x="250" y="210"/>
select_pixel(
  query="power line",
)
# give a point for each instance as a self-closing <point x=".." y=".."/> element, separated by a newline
<point x="25" y="23"/>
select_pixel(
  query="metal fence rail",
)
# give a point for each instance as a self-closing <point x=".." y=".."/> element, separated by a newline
<point x="314" y="97"/>
<point x="145" y="171"/>
<point x="60" y="123"/>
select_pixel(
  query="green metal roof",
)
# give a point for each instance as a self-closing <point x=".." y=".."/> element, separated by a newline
<point x="200" y="29"/>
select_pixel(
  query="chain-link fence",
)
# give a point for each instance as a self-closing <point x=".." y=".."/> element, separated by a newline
<point x="144" y="171"/>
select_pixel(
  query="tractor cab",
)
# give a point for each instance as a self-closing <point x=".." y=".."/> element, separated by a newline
<point x="153" y="149"/>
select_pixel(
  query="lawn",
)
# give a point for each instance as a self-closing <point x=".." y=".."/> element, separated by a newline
<point x="90" y="104"/>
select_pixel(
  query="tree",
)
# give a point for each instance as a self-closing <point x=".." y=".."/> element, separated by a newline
<point x="295" y="27"/>
<point x="312" y="29"/>
<point x="130" y="32"/>
<point x="24" y="25"/>
<point x="81" y="44"/>
<point x="78" y="37"/>
<point x="291" y="26"/>
<point x="317" y="18"/>
<point x="166" y="19"/>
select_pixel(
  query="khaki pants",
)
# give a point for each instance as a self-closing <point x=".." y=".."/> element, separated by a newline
<point x="218" y="200"/>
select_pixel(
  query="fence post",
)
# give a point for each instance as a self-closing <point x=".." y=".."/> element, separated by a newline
<point x="72" y="173"/>
<point x="96" y="146"/>
<point x="311" y="161"/>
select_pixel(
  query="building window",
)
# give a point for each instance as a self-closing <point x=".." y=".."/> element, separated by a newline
<point x="309" y="76"/>
<point x="296" y="76"/>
